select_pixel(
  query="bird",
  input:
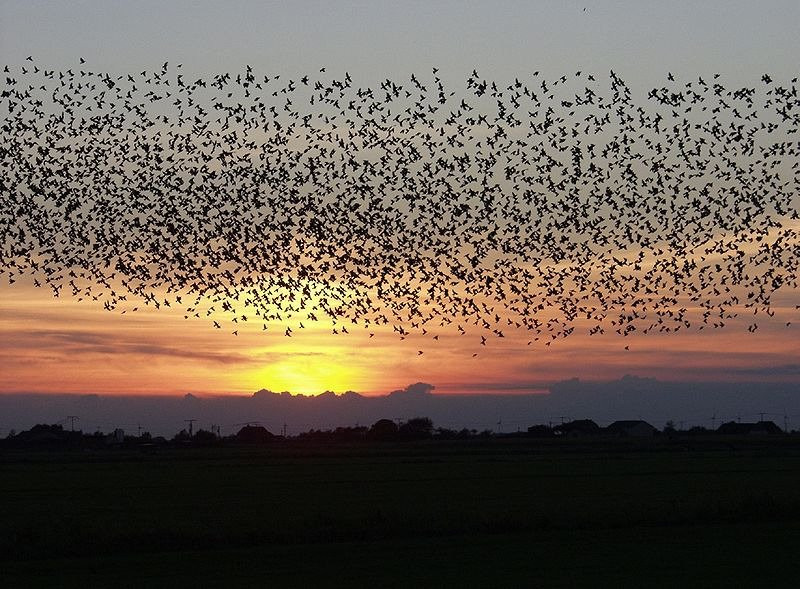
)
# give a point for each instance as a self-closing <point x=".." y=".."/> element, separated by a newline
<point x="547" y="208"/>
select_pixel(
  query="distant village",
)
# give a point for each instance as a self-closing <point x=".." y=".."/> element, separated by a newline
<point x="384" y="430"/>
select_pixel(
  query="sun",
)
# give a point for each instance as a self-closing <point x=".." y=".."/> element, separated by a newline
<point x="305" y="374"/>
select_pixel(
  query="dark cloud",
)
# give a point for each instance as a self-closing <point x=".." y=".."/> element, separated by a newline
<point x="89" y="342"/>
<point x="419" y="389"/>
<point x="766" y="371"/>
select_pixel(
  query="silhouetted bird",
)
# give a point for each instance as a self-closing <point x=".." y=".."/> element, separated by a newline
<point x="549" y="205"/>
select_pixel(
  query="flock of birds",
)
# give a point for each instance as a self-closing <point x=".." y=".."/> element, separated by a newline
<point x="545" y="205"/>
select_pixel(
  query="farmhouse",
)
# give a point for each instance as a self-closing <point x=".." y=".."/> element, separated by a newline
<point x="759" y="428"/>
<point x="631" y="428"/>
<point x="577" y="429"/>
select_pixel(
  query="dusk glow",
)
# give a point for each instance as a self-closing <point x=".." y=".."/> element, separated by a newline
<point x="61" y="345"/>
<point x="422" y="293"/>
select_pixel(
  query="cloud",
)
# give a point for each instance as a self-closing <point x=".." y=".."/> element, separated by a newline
<point x="512" y="387"/>
<point x="781" y="370"/>
<point x="416" y="390"/>
<point x="90" y="342"/>
<point x="220" y="358"/>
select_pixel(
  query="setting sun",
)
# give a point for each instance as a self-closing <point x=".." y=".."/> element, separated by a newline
<point x="309" y="374"/>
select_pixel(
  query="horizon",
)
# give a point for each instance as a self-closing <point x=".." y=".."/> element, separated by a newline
<point x="438" y="390"/>
<point x="630" y="397"/>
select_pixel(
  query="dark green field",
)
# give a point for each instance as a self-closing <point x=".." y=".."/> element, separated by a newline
<point x="493" y="513"/>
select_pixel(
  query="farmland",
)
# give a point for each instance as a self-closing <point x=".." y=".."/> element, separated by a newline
<point x="478" y="513"/>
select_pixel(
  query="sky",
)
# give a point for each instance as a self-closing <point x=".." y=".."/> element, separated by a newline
<point x="639" y="38"/>
<point x="65" y="345"/>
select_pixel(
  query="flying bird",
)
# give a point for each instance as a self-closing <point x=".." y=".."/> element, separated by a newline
<point x="549" y="208"/>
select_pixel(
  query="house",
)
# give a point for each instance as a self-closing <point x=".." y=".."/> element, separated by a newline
<point x="631" y="428"/>
<point x="577" y="428"/>
<point x="760" y="428"/>
<point x="254" y="434"/>
<point x="540" y="431"/>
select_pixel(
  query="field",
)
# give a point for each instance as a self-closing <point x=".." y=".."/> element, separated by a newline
<point x="481" y="513"/>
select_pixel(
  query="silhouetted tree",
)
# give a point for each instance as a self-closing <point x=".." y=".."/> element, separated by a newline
<point x="43" y="434"/>
<point x="340" y="434"/>
<point x="416" y="428"/>
<point x="383" y="429"/>
<point x="204" y="436"/>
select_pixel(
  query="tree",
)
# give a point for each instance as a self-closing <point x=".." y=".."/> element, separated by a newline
<point x="203" y="436"/>
<point x="383" y="429"/>
<point x="416" y="428"/>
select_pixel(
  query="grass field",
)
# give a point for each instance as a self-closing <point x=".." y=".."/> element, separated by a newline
<point x="494" y="514"/>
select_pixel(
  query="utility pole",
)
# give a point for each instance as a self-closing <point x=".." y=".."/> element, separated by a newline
<point x="191" y="424"/>
<point x="284" y="429"/>
<point x="72" y="419"/>
<point x="762" y="416"/>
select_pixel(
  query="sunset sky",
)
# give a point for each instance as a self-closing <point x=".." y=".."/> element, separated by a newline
<point x="61" y="344"/>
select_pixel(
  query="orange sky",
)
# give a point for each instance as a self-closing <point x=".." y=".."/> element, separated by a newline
<point x="62" y="345"/>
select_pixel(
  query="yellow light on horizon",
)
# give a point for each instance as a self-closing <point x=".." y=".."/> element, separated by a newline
<point x="307" y="375"/>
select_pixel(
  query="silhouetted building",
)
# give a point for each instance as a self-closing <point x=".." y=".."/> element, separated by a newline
<point x="540" y="431"/>
<point x="760" y="428"/>
<point x="699" y="430"/>
<point x="577" y="428"/>
<point x="253" y="434"/>
<point x="631" y="428"/>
